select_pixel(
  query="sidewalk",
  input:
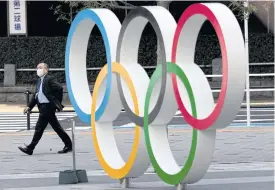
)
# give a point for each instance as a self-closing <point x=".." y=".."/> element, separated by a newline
<point x="236" y="149"/>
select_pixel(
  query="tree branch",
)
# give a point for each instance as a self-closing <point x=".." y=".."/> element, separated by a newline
<point x="80" y="5"/>
<point x="241" y="9"/>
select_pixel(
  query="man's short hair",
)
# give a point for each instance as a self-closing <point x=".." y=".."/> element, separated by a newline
<point x="45" y="65"/>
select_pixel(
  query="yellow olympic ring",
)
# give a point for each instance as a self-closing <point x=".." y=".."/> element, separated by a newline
<point x="123" y="171"/>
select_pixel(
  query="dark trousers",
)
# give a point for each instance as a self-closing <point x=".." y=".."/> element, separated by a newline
<point x="47" y="115"/>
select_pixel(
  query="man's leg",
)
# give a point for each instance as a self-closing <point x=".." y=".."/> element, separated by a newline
<point x="39" y="130"/>
<point x="61" y="133"/>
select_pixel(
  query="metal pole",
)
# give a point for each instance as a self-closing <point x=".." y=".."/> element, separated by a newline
<point x="28" y="113"/>
<point x="8" y="19"/>
<point x="246" y="17"/>
<point x="26" y="17"/>
<point x="73" y="141"/>
<point x="274" y="41"/>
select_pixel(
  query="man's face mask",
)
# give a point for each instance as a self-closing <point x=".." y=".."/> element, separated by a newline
<point x="40" y="72"/>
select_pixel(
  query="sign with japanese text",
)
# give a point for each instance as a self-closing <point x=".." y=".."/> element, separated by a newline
<point x="17" y="17"/>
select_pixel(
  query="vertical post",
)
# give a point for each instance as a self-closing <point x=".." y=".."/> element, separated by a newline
<point x="73" y="141"/>
<point x="246" y="17"/>
<point x="274" y="38"/>
<point x="28" y="113"/>
<point x="26" y="17"/>
<point x="274" y="20"/>
<point x="8" y="21"/>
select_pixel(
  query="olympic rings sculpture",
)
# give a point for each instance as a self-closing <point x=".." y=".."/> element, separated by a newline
<point x="177" y="83"/>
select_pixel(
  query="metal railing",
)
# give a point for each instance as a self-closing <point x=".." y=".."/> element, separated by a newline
<point x="28" y="114"/>
<point x="215" y="89"/>
<point x="261" y="89"/>
<point x="145" y="67"/>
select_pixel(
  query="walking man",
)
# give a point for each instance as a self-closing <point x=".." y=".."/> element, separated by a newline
<point x="48" y="98"/>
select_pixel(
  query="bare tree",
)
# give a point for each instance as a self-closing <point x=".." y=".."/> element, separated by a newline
<point x="76" y="6"/>
<point x="64" y="14"/>
<point x="264" y="13"/>
<point x="240" y="9"/>
<point x="244" y="9"/>
<point x="267" y="6"/>
<point x="253" y="7"/>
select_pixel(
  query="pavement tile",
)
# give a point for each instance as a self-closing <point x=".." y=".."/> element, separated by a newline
<point x="45" y="158"/>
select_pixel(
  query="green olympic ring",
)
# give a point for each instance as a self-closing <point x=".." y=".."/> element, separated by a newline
<point x="166" y="177"/>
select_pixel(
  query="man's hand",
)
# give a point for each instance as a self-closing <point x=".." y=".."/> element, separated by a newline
<point x="60" y="109"/>
<point x="26" y="110"/>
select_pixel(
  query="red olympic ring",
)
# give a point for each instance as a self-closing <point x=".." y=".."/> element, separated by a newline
<point x="201" y="124"/>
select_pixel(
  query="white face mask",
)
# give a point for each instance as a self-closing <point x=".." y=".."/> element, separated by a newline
<point x="40" y="72"/>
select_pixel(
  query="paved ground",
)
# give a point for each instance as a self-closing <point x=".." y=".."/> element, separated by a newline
<point x="243" y="160"/>
<point x="243" y="157"/>
<point x="17" y="121"/>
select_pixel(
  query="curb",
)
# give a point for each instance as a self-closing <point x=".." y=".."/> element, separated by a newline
<point x="214" y="167"/>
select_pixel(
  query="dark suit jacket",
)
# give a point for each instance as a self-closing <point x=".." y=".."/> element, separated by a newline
<point x="53" y="92"/>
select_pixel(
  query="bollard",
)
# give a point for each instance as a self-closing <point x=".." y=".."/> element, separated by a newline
<point x="73" y="176"/>
<point x="28" y="113"/>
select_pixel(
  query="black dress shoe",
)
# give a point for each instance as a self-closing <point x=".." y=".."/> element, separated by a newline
<point x="65" y="150"/>
<point x="26" y="150"/>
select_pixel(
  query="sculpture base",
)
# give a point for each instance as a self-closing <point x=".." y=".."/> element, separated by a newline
<point x="82" y="176"/>
<point x="181" y="186"/>
<point x="73" y="177"/>
<point x="125" y="183"/>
